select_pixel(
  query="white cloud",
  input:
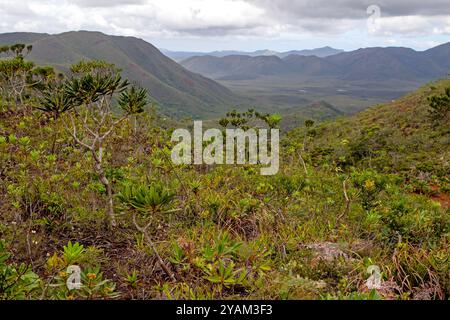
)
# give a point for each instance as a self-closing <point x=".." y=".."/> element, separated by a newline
<point x="209" y="19"/>
<point x="200" y="14"/>
<point x="406" y="25"/>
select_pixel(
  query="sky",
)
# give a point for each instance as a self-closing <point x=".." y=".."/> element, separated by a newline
<point x="208" y="25"/>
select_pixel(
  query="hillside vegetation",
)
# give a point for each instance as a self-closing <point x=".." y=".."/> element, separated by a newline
<point x="101" y="193"/>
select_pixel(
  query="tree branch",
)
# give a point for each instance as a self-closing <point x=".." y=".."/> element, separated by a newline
<point x="152" y="245"/>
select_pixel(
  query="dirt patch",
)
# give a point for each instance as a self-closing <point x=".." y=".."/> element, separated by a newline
<point x="442" y="198"/>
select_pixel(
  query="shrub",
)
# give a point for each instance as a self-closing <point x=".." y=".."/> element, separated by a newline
<point x="16" y="281"/>
<point x="439" y="111"/>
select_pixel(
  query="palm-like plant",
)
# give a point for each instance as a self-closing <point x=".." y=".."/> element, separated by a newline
<point x="55" y="102"/>
<point x="133" y="100"/>
<point x="90" y="89"/>
<point x="17" y="49"/>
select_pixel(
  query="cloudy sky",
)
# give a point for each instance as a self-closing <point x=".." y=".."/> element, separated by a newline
<point x="206" y="25"/>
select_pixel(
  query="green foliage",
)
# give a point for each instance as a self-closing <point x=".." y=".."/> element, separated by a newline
<point x="273" y="120"/>
<point x="40" y="78"/>
<point x="225" y="274"/>
<point x="245" y="120"/>
<point x="16" y="281"/>
<point x="146" y="199"/>
<point x="56" y="102"/>
<point x="72" y="252"/>
<point x="14" y="73"/>
<point x="133" y="100"/>
<point x="309" y="123"/>
<point x="237" y="119"/>
<point x="94" y="67"/>
<point x="411" y="223"/>
<point x="370" y="184"/>
<point x="93" y="287"/>
<point x="223" y="247"/>
<point x="93" y="284"/>
<point x="132" y="279"/>
<point x="439" y="111"/>
<point x="89" y="89"/>
<point x="290" y="184"/>
<point x="14" y="67"/>
<point x="372" y="295"/>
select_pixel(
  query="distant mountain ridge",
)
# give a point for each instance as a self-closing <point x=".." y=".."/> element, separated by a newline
<point x="319" y="52"/>
<point x="178" y="91"/>
<point x="349" y="81"/>
<point x="372" y="64"/>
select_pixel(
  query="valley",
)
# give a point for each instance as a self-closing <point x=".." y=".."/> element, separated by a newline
<point x="348" y="81"/>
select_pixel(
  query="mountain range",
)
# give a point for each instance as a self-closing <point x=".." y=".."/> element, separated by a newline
<point x="178" y="91"/>
<point x="274" y="82"/>
<point x="377" y="64"/>
<point x="319" y="52"/>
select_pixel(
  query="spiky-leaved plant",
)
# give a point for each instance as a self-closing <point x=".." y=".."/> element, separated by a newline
<point x="147" y="200"/>
<point x="133" y="101"/>
<point x="55" y="102"/>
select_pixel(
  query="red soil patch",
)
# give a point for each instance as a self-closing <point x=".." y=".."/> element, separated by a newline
<point x="442" y="198"/>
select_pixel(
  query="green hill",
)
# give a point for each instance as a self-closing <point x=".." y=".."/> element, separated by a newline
<point x="397" y="137"/>
<point x="178" y="91"/>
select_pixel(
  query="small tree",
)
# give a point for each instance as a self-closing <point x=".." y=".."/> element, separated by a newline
<point x="14" y="73"/>
<point x="54" y="101"/>
<point x="41" y="78"/>
<point x="89" y="97"/>
<point x="271" y="120"/>
<point x="18" y="74"/>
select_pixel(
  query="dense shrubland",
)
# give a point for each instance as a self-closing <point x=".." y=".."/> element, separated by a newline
<point x="86" y="179"/>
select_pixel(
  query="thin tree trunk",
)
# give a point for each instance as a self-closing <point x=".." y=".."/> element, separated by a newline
<point x="152" y="245"/>
<point x="347" y="201"/>
<point x="55" y="136"/>
<point x="104" y="180"/>
<point x="303" y="163"/>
